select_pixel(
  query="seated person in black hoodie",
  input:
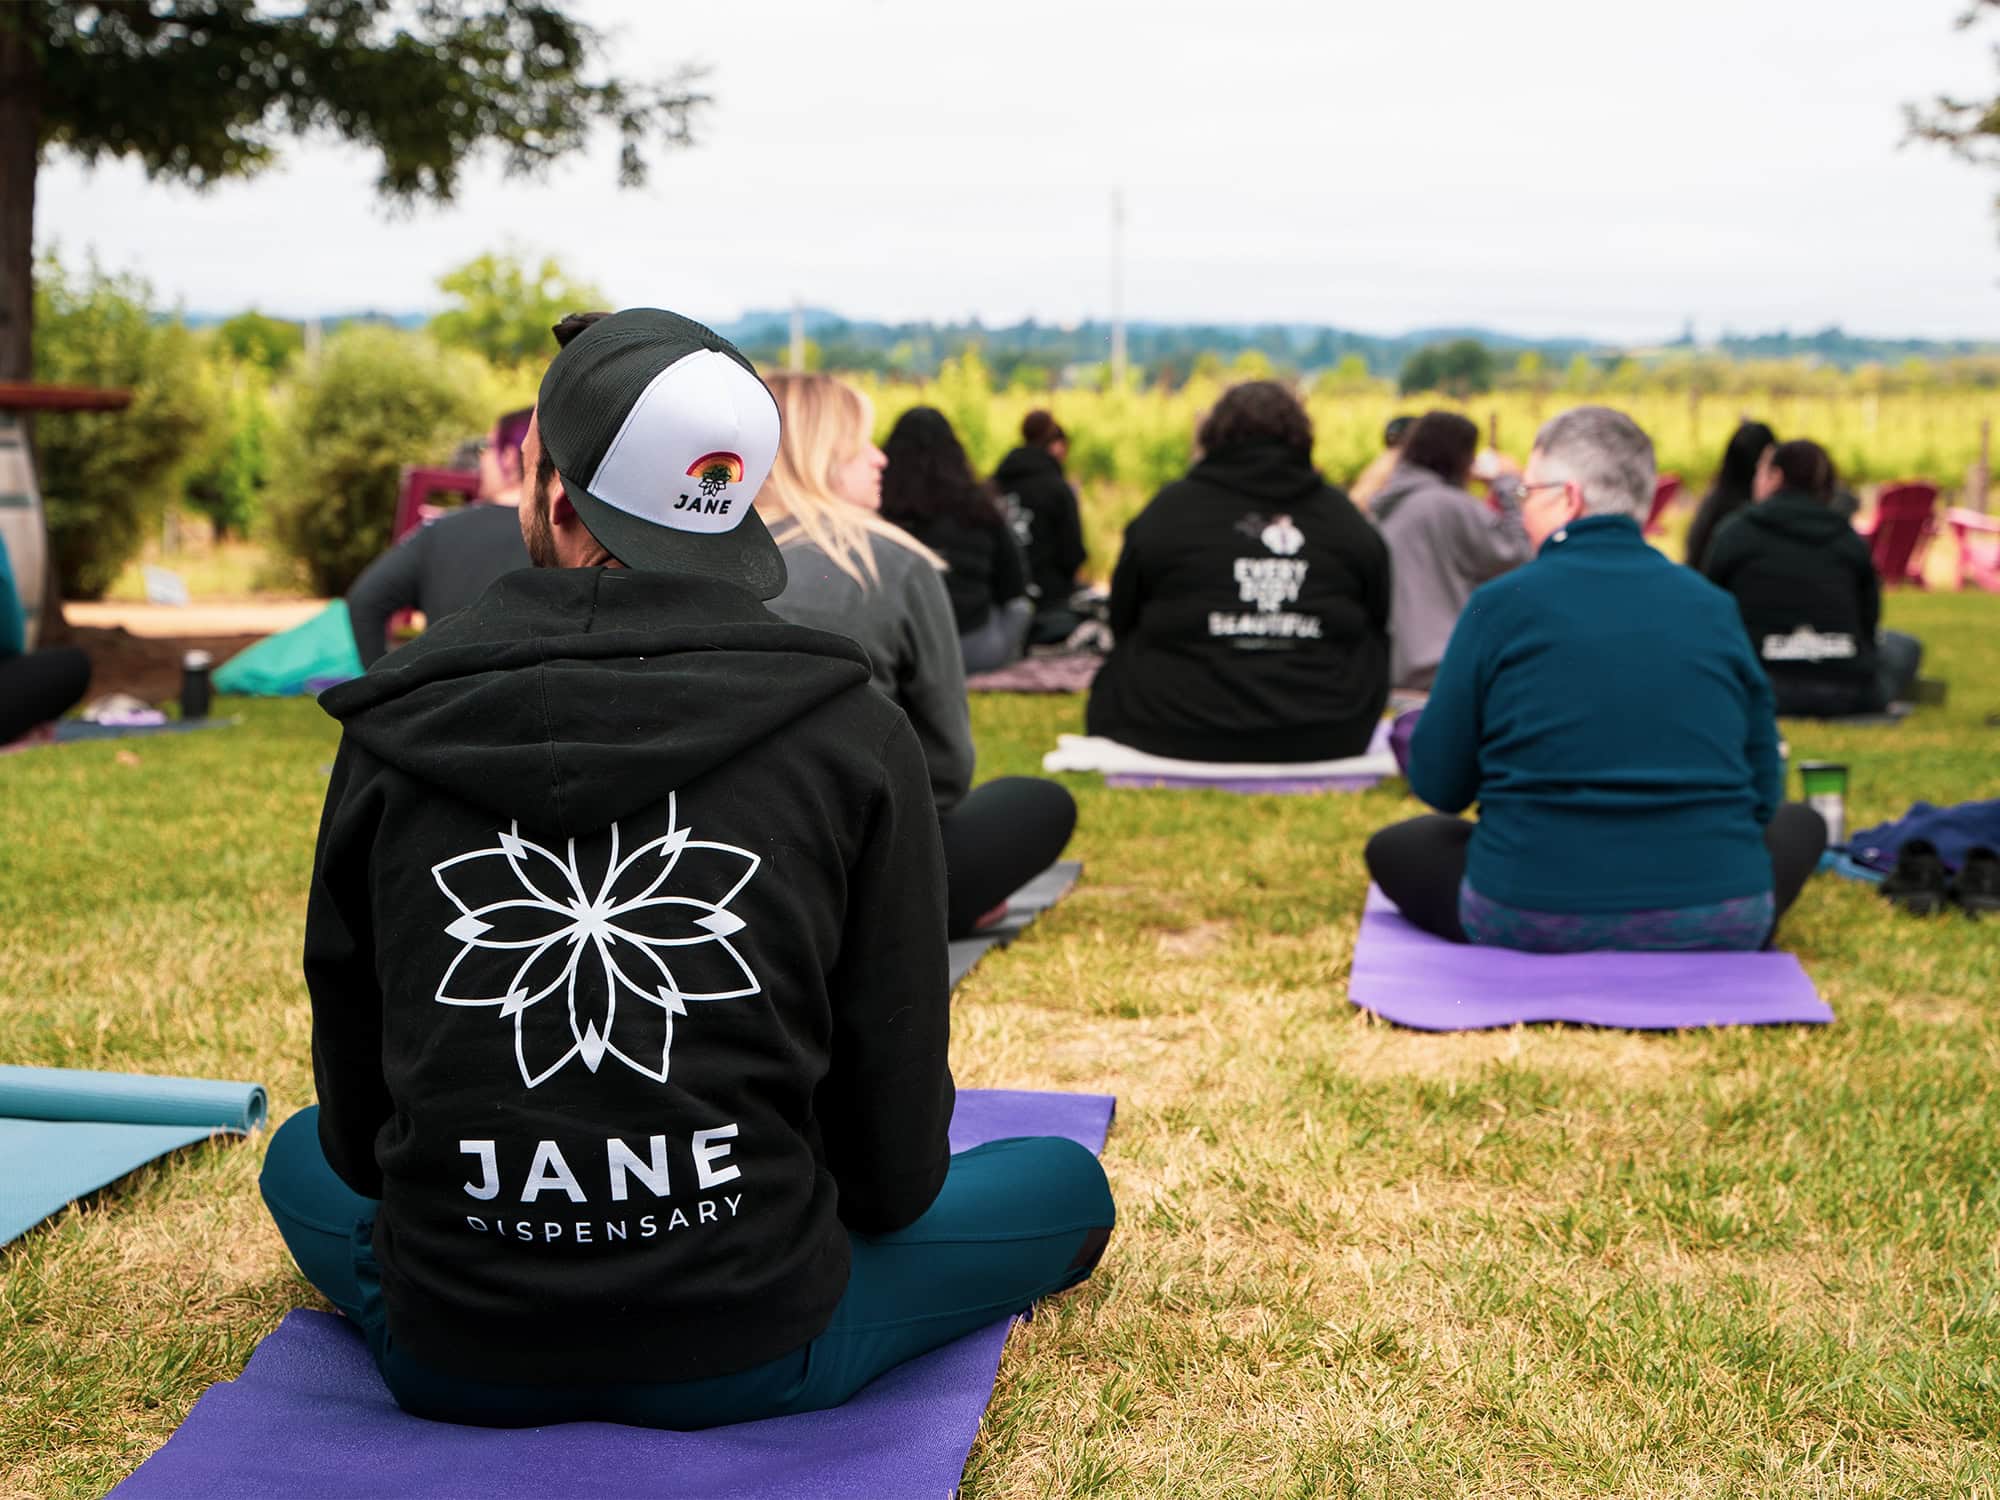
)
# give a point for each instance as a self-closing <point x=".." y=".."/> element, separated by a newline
<point x="929" y="491"/>
<point x="1042" y="508"/>
<point x="1250" y="603"/>
<point x="1806" y="585"/>
<point x="625" y="942"/>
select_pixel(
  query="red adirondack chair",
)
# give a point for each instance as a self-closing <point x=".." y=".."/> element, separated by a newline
<point x="1666" y="490"/>
<point x="1978" y="547"/>
<point x="413" y="506"/>
<point x="1905" y="522"/>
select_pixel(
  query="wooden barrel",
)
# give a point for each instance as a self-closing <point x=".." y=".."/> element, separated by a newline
<point x="23" y="531"/>
<point x="21" y="528"/>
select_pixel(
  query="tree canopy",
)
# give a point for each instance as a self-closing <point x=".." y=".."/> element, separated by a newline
<point x="198" y="91"/>
<point x="1968" y="127"/>
<point x="504" y="308"/>
<point x="1462" y="367"/>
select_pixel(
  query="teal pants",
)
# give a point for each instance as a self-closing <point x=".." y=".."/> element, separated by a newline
<point x="1015" y="1221"/>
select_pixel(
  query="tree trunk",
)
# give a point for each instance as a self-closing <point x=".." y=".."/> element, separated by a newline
<point x="20" y="155"/>
<point x="20" y="147"/>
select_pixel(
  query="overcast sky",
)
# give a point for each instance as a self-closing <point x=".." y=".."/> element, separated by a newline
<point x="1544" y="167"/>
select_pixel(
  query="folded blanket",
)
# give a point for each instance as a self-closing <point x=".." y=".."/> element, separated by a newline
<point x="1083" y="752"/>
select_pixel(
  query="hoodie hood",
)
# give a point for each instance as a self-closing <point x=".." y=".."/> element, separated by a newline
<point x="571" y="697"/>
<point x="1026" y="463"/>
<point x="1271" y="472"/>
<point x="1404" y="481"/>
<point x="1795" y="514"/>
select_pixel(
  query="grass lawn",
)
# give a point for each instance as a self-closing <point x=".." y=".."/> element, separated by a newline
<point x="1351" y="1260"/>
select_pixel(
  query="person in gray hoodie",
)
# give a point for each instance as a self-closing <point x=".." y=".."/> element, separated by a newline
<point x="1443" y="543"/>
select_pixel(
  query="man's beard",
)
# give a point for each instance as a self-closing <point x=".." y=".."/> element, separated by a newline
<point x="539" y="534"/>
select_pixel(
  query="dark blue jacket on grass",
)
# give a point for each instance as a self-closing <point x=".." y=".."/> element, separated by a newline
<point x="1603" y="708"/>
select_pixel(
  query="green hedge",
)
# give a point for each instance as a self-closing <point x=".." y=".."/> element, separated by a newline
<point x="374" y="402"/>
<point x="107" y="477"/>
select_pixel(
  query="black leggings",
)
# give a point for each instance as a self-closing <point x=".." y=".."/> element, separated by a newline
<point x="1420" y="864"/>
<point x="998" y="839"/>
<point x="37" y="687"/>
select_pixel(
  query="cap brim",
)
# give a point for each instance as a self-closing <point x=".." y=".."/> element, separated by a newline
<point x="745" y="556"/>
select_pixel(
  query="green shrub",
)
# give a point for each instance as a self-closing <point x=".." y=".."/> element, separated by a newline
<point x="376" y="401"/>
<point x="107" y="477"/>
<point x="228" y="476"/>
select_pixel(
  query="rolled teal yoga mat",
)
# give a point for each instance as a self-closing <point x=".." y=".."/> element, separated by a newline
<point x="65" y="1133"/>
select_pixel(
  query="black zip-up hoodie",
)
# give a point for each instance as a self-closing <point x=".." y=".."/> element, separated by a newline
<point x="1250" y="607"/>
<point x="1046" y="519"/>
<point x="626" y="949"/>
<point x="1807" y="589"/>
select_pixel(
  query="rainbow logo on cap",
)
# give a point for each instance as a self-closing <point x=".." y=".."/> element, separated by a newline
<point x="715" y="470"/>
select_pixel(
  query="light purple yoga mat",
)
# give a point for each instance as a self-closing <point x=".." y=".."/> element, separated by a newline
<point x="1405" y="975"/>
<point x="309" y="1419"/>
<point x="1265" y="786"/>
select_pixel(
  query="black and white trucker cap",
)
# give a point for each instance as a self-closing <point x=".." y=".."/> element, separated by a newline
<point x="663" y="435"/>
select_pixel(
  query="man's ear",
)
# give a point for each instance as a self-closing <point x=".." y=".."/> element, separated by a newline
<point x="561" y="512"/>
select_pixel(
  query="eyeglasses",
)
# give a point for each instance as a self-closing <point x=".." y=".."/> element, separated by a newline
<point x="1546" y="484"/>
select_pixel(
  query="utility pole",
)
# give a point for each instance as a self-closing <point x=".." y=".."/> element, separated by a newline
<point x="1118" y="289"/>
<point x="795" y="357"/>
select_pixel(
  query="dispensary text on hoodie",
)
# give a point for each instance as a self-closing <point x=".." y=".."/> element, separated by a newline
<point x="626" y="949"/>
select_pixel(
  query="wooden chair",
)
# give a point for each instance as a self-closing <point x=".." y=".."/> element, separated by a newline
<point x="413" y="507"/>
<point x="1900" y="538"/>
<point x="1978" y="539"/>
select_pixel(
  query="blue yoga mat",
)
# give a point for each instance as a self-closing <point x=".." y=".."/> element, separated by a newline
<point x="310" y="1419"/>
<point x="65" y="1133"/>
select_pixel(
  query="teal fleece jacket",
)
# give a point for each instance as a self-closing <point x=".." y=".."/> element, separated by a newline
<point x="1603" y="708"/>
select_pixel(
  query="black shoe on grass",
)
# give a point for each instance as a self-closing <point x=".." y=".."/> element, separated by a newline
<point x="1919" y="884"/>
<point x="1977" y="887"/>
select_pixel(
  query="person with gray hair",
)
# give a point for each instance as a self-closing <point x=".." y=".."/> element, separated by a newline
<point x="1603" y="708"/>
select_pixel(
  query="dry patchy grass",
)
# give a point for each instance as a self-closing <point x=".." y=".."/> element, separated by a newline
<point x="1352" y="1261"/>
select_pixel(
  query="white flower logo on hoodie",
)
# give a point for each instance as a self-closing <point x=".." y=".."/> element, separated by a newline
<point x="592" y="954"/>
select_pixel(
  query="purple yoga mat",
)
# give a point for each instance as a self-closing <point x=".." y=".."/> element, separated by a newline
<point x="309" y="1419"/>
<point x="1405" y="975"/>
<point x="1266" y="786"/>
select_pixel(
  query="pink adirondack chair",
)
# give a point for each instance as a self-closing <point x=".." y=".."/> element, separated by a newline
<point x="1978" y="547"/>
<point x="1905" y="522"/>
<point x="1666" y="490"/>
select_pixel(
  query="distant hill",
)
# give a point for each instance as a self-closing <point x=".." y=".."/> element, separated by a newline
<point x="917" y="348"/>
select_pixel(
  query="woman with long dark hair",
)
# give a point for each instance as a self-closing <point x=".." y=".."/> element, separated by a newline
<point x="1731" y="490"/>
<point x="929" y="490"/>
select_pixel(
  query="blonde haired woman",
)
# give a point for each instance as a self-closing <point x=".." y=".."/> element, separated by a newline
<point x="860" y="576"/>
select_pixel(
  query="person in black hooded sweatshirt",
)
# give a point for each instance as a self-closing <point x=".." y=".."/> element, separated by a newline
<point x="1047" y="522"/>
<point x="1250" y="603"/>
<point x="1806" y="586"/>
<point x="625" y="943"/>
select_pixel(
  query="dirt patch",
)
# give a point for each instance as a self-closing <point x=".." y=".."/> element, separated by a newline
<point x="147" y="667"/>
<point x="1195" y="941"/>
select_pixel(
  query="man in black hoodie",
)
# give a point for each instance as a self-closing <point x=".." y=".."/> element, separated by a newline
<point x="1047" y="523"/>
<point x="1807" y="589"/>
<point x="626" y="949"/>
<point x="1250" y="604"/>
